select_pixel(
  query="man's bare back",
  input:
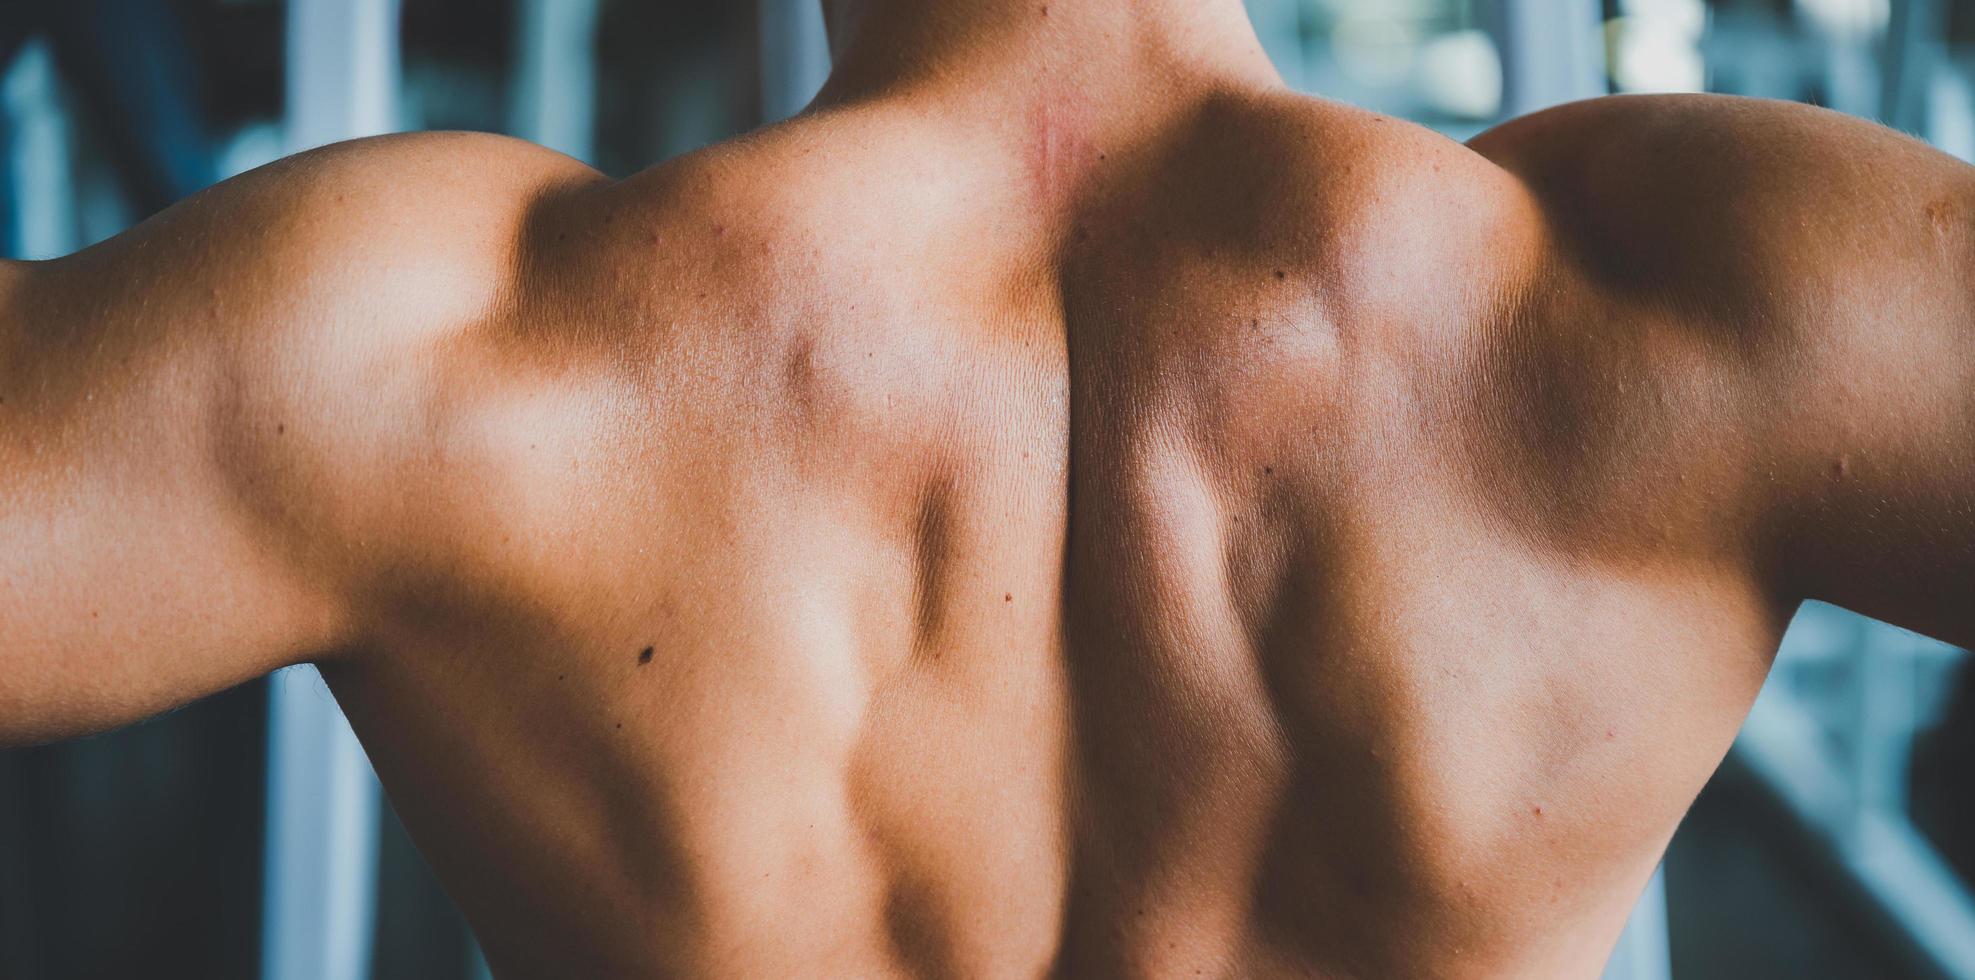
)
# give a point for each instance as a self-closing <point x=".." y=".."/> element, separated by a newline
<point x="1071" y="507"/>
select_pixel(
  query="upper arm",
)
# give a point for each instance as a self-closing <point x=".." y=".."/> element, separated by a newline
<point x="1828" y="264"/>
<point x="200" y="419"/>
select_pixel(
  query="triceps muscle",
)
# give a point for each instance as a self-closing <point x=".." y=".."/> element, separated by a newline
<point x="131" y="578"/>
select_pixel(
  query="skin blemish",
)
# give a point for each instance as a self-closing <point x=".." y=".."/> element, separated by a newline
<point x="1281" y="274"/>
<point x="644" y="656"/>
<point x="1536" y="811"/>
<point x="1268" y="471"/>
<point x="281" y="429"/>
<point x="1083" y="234"/>
<point x="1841" y="468"/>
<point x="1940" y="215"/>
<point x="1008" y="597"/>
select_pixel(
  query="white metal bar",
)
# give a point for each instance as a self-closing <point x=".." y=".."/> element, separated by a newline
<point x="1879" y="850"/>
<point x="1279" y="26"/>
<point x="1914" y="32"/>
<point x="321" y="839"/>
<point x="1642" y="952"/>
<point x="42" y="195"/>
<point x="1552" y="52"/>
<point x="555" y="86"/>
<point x="342" y="63"/>
<point x="1950" y="111"/>
<point x="1884" y="685"/>
<point x="795" y="56"/>
<point x="1845" y="33"/>
<point x="342" y="70"/>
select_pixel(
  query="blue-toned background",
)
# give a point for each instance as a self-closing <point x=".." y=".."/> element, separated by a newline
<point x="244" y="836"/>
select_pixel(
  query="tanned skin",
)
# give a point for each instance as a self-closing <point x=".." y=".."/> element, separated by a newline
<point x="1065" y="504"/>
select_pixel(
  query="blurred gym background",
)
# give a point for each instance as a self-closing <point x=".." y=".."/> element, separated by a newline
<point x="244" y="836"/>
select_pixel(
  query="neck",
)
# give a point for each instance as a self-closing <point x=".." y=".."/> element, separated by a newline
<point x="1087" y="46"/>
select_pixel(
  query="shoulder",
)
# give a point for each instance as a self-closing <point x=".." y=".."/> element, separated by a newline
<point x="361" y="246"/>
<point x="1312" y="158"/>
<point x="408" y="234"/>
<point x="380" y="189"/>
<point x="1759" y="235"/>
<point x="1713" y="132"/>
<point x="269" y="365"/>
<point x="413" y="211"/>
<point x="1705" y="267"/>
<point x="1383" y="214"/>
<point x="1657" y="193"/>
<point x="354" y="305"/>
<point x="430" y="174"/>
<point x="1808" y="279"/>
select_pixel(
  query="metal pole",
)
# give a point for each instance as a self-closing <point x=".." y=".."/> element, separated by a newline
<point x="39" y="199"/>
<point x="1642" y="952"/>
<point x="1914" y="38"/>
<point x="1950" y="112"/>
<point x="1552" y="52"/>
<point x="555" y="88"/>
<point x="342" y="58"/>
<point x="1279" y="26"/>
<point x="795" y="56"/>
